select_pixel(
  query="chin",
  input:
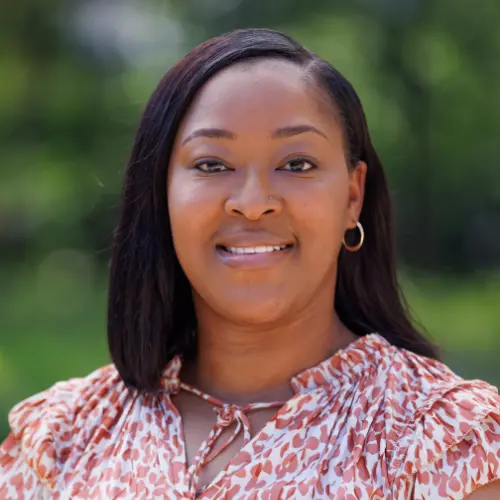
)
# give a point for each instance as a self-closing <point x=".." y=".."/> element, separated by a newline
<point x="256" y="312"/>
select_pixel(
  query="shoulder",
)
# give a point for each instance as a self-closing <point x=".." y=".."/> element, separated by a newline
<point x="55" y="425"/>
<point x="68" y="401"/>
<point x="448" y="429"/>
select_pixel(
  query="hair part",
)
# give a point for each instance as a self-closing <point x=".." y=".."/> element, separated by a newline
<point x="151" y="315"/>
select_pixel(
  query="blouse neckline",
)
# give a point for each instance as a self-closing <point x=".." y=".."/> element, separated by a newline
<point x="346" y="365"/>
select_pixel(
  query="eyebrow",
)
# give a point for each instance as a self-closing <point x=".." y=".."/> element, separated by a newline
<point x="220" y="133"/>
<point x="215" y="133"/>
<point x="296" y="130"/>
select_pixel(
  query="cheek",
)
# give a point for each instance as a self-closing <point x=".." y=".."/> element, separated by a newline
<point x="321" y="210"/>
<point x="193" y="208"/>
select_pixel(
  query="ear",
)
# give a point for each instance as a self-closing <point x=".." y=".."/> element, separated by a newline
<point x="357" y="179"/>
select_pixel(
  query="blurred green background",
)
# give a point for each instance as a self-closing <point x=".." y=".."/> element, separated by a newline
<point x="74" y="77"/>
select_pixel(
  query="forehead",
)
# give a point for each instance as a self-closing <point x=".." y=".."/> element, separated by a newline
<point x="258" y="96"/>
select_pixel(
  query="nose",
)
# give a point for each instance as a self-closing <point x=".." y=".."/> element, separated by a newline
<point x="253" y="201"/>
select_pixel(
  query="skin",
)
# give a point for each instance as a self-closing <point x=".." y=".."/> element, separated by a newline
<point x="247" y="316"/>
<point x="488" y="492"/>
<point x="278" y="314"/>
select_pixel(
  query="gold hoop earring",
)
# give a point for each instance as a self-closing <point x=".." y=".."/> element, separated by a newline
<point x="361" y="239"/>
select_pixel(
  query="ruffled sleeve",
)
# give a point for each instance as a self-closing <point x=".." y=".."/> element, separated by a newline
<point x="49" y="428"/>
<point x="452" y="447"/>
<point x="17" y="479"/>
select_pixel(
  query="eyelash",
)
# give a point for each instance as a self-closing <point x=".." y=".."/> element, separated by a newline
<point x="199" y="164"/>
<point x="211" y="163"/>
<point x="312" y="165"/>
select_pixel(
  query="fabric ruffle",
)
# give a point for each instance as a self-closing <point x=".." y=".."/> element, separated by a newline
<point x="453" y="445"/>
<point x="57" y="425"/>
<point x="372" y="420"/>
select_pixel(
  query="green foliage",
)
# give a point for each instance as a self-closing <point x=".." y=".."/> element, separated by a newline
<point x="427" y="73"/>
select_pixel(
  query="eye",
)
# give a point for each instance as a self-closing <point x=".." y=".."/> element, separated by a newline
<point x="298" y="165"/>
<point x="210" y="166"/>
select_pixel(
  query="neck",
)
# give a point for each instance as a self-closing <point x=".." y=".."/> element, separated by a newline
<point x="248" y="363"/>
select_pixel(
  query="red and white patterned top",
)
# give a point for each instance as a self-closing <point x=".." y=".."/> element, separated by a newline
<point x="371" y="422"/>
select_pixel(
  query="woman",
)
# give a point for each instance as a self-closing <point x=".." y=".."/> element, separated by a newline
<point x="260" y="344"/>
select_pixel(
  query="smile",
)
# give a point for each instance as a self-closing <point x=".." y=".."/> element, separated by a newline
<point x="254" y="257"/>
<point x="254" y="250"/>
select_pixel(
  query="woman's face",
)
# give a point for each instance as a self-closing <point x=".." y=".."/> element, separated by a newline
<point x="260" y="195"/>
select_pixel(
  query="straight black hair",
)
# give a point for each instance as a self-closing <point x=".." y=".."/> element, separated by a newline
<point x="151" y="316"/>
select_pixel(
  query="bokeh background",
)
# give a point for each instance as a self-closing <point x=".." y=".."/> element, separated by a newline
<point x="75" y="75"/>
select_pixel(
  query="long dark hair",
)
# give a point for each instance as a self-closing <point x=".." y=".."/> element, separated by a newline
<point x="150" y="309"/>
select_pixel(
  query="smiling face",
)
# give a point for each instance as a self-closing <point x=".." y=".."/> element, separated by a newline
<point x="260" y="193"/>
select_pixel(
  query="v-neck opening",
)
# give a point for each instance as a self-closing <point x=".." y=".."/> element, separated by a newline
<point x="345" y="366"/>
<point x="232" y="462"/>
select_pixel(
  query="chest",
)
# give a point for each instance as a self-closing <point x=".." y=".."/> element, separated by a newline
<point x="303" y="450"/>
<point x="198" y="431"/>
<point x="292" y="454"/>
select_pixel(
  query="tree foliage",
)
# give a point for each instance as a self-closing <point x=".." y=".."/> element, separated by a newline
<point x="426" y="71"/>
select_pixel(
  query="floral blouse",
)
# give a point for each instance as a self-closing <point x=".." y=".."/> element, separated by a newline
<point x="371" y="422"/>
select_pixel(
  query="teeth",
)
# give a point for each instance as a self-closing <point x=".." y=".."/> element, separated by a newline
<point x="253" y="250"/>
